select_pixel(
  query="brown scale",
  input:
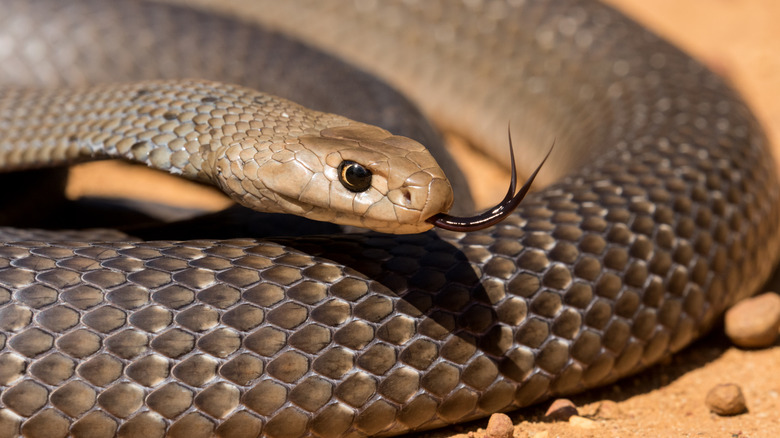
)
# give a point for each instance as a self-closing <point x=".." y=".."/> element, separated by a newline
<point x="618" y="264"/>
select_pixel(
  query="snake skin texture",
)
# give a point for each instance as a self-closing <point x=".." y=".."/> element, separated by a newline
<point x="266" y="153"/>
<point x="664" y="214"/>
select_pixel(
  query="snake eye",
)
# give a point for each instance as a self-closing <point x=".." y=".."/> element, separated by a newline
<point x="354" y="177"/>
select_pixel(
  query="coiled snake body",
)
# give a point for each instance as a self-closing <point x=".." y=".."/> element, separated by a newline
<point x="665" y="212"/>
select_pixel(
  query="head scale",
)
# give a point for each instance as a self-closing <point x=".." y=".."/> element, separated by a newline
<point x="354" y="174"/>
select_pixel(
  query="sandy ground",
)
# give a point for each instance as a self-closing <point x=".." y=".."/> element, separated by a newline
<point x="741" y="40"/>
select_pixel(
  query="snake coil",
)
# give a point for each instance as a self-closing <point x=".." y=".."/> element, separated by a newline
<point x="664" y="212"/>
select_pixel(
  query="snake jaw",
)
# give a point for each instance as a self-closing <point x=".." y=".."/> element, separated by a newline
<point x="497" y="213"/>
<point x="305" y="177"/>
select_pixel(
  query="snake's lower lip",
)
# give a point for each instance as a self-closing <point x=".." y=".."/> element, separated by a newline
<point x="304" y="207"/>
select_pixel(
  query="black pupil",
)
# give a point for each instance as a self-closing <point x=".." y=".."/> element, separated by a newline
<point x="354" y="177"/>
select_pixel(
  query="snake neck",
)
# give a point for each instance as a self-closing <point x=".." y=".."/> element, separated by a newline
<point x="264" y="152"/>
<point x="180" y="127"/>
<point x="138" y="122"/>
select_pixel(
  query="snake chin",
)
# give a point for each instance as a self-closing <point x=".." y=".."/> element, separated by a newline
<point x="402" y="220"/>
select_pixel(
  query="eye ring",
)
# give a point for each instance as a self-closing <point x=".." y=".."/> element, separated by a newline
<point x="354" y="176"/>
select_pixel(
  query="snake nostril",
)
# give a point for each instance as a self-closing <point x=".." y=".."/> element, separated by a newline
<point x="407" y="195"/>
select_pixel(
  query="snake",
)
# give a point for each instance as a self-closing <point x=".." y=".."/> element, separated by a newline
<point x="659" y="210"/>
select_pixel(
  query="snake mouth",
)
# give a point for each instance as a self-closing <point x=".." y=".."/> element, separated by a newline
<point x="289" y="201"/>
<point x="497" y="213"/>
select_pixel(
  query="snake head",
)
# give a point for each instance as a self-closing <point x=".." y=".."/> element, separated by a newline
<point x="355" y="174"/>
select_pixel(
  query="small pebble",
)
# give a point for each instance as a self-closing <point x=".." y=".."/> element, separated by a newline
<point x="560" y="410"/>
<point x="608" y="410"/>
<point x="542" y="434"/>
<point x="499" y="426"/>
<point x="754" y="323"/>
<point x="726" y="399"/>
<point x="582" y="422"/>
